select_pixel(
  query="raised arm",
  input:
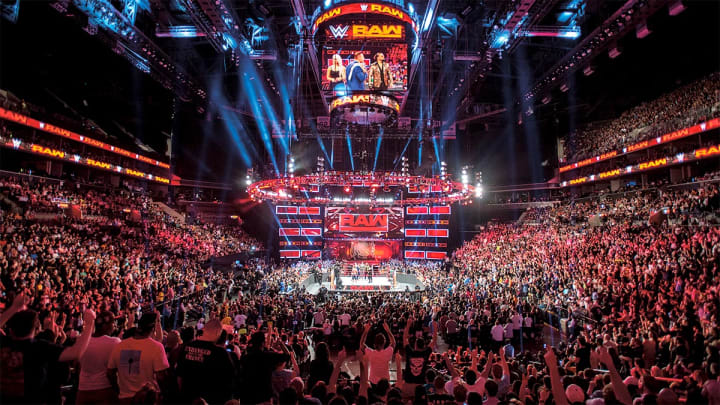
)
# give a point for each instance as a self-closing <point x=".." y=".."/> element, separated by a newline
<point x="433" y="341"/>
<point x="332" y="386"/>
<point x="19" y="303"/>
<point x="78" y="349"/>
<point x="406" y="332"/>
<point x="503" y="363"/>
<point x="555" y="383"/>
<point x="400" y="375"/>
<point x="488" y="365"/>
<point x="474" y="356"/>
<point x="621" y="391"/>
<point x="363" y="391"/>
<point x="389" y="333"/>
<point x="291" y="353"/>
<point x="158" y="332"/>
<point x="363" y="338"/>
<point x="523" y="388"/>
<point x="448" y="364"/>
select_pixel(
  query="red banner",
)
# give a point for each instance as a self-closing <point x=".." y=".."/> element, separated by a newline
<point x="669" y="137"/>
<point x="49" y="128"/>
<point x="309" y="210"/>
<point x="435" y="255"/>
<point x="438" y="233"/>
<point x="311" y="254"/>
<point x="417" y="233"/>
<point x="414" y="254"/>
<point x="290" y="254"/>
<point x="440" y="209"/>
<point x="285" y="209"/>
<point x="289" y="231"/>
<point x="363" y="8"/>
<point x="417" y="210"/>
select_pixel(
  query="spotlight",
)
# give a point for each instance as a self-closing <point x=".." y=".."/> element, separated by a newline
<point x="478" y="191"/>
<point x="588" y="70"/>
<point x="614" y="52"/>
<point x="642" y="31"/>
<point x="676" y="8"/>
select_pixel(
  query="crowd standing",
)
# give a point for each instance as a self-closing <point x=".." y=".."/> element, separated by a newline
<point x="130" y="311"/>
<point x="684" y="107"/>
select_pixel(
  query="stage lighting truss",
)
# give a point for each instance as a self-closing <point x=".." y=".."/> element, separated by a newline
<point x="351" y="187"/>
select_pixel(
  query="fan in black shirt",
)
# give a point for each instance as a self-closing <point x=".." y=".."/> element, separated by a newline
<point x="205" y="369"/>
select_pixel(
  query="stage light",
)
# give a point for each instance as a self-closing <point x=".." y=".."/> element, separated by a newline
<point x="478" y="191"/>
<point x="614" y="52"/>
<point x="676" y="8"/>
<point x="328" y="3"/>
<point x="411" y="8"/>
<point x="642" y="31"/>
<point x="466" y="11"/>
<point x="588" y="70"/>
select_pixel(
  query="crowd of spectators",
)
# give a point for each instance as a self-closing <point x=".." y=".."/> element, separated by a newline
<point x="100" y="304"/>
<point x="681" y="108"/>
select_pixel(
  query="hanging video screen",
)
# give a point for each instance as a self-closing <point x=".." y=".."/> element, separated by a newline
<point x="375" y="66"/>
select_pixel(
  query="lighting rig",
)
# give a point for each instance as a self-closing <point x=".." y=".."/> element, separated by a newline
<point x="508" y="27"/>
<point x="291" y="166"/>
<point x="478" y="185"/>
<point x="341" y="188"/>
<point x="629" y="17"/>
<point x="125" y="39"/>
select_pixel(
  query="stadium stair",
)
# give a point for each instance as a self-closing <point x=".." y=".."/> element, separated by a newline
<point x="521" y="220"/>
<point x="169" y="211"/>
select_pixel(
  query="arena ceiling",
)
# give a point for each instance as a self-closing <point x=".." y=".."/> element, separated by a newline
<point x="166" y="74"/>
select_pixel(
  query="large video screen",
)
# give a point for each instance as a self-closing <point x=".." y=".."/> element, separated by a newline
<point x="363" y="249"/>
<point x="395" y="55"/>
<point x="364" y="222"/>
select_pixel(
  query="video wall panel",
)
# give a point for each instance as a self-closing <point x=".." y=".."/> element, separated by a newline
<point x="427" y="232"/>
<point x="300" y="231"/>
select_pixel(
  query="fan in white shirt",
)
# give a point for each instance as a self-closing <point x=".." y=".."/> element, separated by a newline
<point x="378" y="357"/>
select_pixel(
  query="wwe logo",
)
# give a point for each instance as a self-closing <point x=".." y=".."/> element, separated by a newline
<point x="339" y="31"/>
<point x="363" y="7"/>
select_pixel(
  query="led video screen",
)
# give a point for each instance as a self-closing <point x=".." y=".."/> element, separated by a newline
<point x="359" y="222"/>
<point x="337" y="70"/>
<point x="363" y="249"/>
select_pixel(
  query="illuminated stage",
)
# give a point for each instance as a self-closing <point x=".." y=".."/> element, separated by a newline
<point x="399" y="282"/>
<point x="362" y="216"/>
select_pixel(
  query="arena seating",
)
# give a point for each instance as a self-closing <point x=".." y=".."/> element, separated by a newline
<point x="636" y="305"/>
